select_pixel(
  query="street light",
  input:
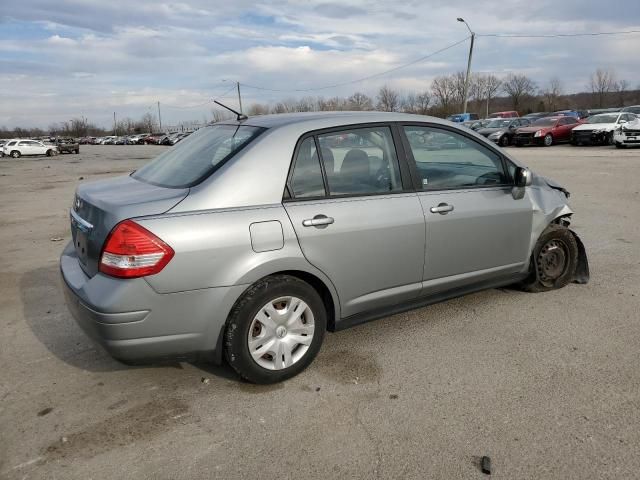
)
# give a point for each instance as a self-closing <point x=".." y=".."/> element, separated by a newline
<point x="466" y="79"/>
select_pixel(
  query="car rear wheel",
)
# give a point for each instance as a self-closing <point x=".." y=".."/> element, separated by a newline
<point x="15" y="154"/>
<point x="275" y="330"/>
<point x="548" y="140"/>
<point x="504" y="141"/>
<point x="49" y="153"/>
<point x="554" y="260"/>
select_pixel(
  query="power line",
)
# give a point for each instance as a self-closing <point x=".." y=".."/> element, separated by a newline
<point x="358" y="80"/>
<point x="556" y="35"/>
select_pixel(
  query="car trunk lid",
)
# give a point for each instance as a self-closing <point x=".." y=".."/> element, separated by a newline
<point x="99" y="206"/>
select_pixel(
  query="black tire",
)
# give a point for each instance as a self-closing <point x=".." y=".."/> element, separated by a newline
<point x="504" y="140"/>
<point x="245" y="310"/>
<point x="77" y="150"/>
<point x="49" y="153"/>
<point x="15" y="154"/>
<point x="548" y="140"/>
<point x="620" y="145"/>
<point x="554" y="260"/>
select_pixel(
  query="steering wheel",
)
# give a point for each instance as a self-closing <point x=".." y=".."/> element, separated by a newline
<point x="489" y="178"/>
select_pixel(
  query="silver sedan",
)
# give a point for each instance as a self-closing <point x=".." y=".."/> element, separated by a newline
<point x="251" y="238"/>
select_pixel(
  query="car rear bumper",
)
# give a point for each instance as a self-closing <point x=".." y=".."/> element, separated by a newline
<point x="134" y="323"/>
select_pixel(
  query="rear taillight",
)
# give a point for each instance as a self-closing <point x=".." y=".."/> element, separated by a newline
<point x="133" y="251"/>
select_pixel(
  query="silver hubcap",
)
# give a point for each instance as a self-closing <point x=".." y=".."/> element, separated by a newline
<point x="281" y="333"/>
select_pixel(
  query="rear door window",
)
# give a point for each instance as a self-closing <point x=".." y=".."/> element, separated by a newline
<point x="361" y="161"/>
<point x="198" y="156"/>
<point x="307" y="176"/>
<point x="447" y="160"/>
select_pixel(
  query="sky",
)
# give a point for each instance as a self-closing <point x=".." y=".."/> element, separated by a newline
<point x="71" y="58"/>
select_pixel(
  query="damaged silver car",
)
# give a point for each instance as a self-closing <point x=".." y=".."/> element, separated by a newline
<point x="251" y="238"/>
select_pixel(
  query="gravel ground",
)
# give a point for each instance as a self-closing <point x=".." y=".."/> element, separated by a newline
<point x="548" y="385"/>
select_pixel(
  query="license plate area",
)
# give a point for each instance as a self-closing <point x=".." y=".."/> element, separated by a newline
<point x="79" y="233"/>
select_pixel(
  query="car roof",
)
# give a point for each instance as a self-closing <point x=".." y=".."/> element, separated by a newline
<point x="316" y="120"/>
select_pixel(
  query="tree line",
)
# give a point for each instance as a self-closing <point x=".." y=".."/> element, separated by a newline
<point x="487" y="93"/>
<point x="442" y="97"/>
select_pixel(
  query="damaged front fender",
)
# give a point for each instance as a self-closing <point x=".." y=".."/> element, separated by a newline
<point x="549" y="200"/>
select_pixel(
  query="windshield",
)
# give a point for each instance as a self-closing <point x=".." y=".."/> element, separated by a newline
<point x="195" y="158"/>
<point x="603" y="118"/>
<point x="544" y="122"/>
<point x="498" y="123"/>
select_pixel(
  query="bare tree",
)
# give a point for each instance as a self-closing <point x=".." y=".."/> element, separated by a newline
<point x="621" y="88"/>
<point x="443" y="90"/>
<point x="601" y="83"/>
<point x="552" y="94"/>
<point x="519" y="88"/>
<point x="360" y="101"/>
<point x="388" y="99"/>
<point x="458" y="82"/>
<point x="258" y="109"/>
<point x="492" y="86"/>
<point x="149" y="122"/>
<point x="423" y="100"/>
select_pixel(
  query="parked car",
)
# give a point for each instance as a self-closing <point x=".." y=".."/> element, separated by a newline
<point x="211" y="253"/>
<point x="546" y="131"/>
<point x="627" y="134"/>
<point x="23" y="147"/>
<point x="598" y="129"/>
<point x="68" y="145"/>
<point x="579" y="114"/>
<point x="635" y="109"/>
<point x="502" y="130"/>
<point x="463" y="117"/>
<point x="535" y="116"/>
<point x="154" y="138"/>
<point x="507" y="114"/>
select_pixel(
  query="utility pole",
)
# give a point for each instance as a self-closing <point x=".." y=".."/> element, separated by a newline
<point x="466" y="79"/>
<point x="159" y="117"/>
<point x="239" y="97"/>
<point x="114" y="123"/>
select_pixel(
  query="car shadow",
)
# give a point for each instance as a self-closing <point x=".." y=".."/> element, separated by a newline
<point x="47" y="316"/>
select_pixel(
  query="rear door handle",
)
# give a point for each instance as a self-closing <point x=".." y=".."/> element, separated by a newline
<point x="318" y="221"/>
<point x="442" y="208"/>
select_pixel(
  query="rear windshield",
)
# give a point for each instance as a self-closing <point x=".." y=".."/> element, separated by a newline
<point x="197" y="156"/>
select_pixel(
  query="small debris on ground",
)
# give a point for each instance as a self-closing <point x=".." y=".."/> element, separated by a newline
<point x="485" y="465"/>
<point x="44" y="411"/>
<point x="80" y="178"/>
<point x="205" y="380"/>
<point x="64" y="439"/>
<point x="393" y="396"/>
<point x="56" y="239"/>
<point x="317" y="389"/>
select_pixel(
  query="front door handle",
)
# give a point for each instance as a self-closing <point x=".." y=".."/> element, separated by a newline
<point x="318" y="221"/>
<point x="442" y="208"/>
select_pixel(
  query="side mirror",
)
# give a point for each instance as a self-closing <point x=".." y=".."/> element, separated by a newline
<point x="512" y="127"/>
<point x="523" y="177"/>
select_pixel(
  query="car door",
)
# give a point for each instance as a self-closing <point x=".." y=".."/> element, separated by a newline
<point x="476" y="230"/>
<point x="357" y="217"/>
<point x="26" y="147"/>
<point x="39" y="148"/>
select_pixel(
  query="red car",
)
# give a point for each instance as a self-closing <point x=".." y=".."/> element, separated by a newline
<point x="546" y="131"/>
<point x="154" y="139"/>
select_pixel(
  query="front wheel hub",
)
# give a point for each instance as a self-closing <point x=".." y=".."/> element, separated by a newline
<point x="552" y="261"/>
